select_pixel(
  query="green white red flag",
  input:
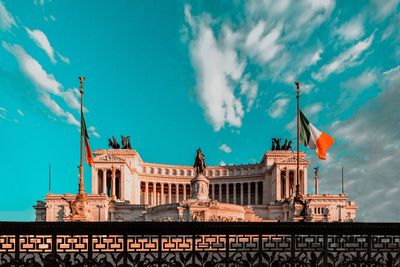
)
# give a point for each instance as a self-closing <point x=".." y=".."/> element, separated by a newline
<point x="314" y="138"/>
<point x="89" y="158"/>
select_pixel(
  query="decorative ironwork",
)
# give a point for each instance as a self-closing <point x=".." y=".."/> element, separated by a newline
<point x="199" y="244"/>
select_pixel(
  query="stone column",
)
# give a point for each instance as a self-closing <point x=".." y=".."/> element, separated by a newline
<point x="105" y="181"/>
<point x="146" y="193"/>
<point x="184" y="191"/>
<point x="249" y="193"/>
<point x="154" y="194"/>
<point x="169" y="194"/>
<point x="227" y="193"/>
<point x="162" y="193"/>
<point x="234" y="193"/>
<point x="256" y="193"/>
<point x="220" y="193"/>
<point x="305" y="178"/>
<point x="212" y="191"/>
<point x="113" y="181"/>
<point x="177" y="192"/>
<point x="278" y="184"/>
<point x="287" y="182"/>
<point x="241" y="194"/>
<point x="295" y="181"/>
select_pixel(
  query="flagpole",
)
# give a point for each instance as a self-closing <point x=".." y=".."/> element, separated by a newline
<point x="49" y="178"/>
<point x="342" y="181"/>
<point x="298" y="138"/>
<point x="81" y="183"/>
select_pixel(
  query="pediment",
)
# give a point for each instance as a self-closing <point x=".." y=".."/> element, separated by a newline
<point x="108" y="158"/>
<point x="291" y="160"/>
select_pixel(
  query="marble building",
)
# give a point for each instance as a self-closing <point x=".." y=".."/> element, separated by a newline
<point x="127" y="188"/>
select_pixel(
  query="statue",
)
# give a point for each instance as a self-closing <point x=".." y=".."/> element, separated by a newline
<point x="316" y="169"/>
<point x="199" y="162"/>
<point x="284" y="147"/>
<point x="126" y="142"/>
<point x="276" y="144"/>
<point x="113" y="143"/>
<point x="289" y="146"/>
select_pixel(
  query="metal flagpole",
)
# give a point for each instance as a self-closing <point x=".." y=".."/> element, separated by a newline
<point x="49" y="178"/>
<point x="81" y="183"/>
<point x="298" y="139"/>
<point x="342" y="180"/>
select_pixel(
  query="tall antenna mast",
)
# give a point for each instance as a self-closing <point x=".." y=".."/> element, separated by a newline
<point x="342" y="180"/>
<point x="81" y="183"/>
<point x="298" y="139"/>
<point x="49" y="178"/>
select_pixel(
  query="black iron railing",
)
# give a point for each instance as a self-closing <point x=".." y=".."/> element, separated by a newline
<point x="199" y="244"/>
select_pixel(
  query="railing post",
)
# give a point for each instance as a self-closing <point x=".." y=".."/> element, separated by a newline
<point x="227" y="250"/>
<point x="17" y="262"/>
<point x="369" y="249"/>
<point x="159" y="251"/>
<point x="260" y="256"/>
<point x="125" y="247"/>
<point x="325" y="250"/>
<point x="293" y="250"/>
<point x="90" y="250"/>
<point x="193" y="250"/>
<point x="54" y="247"/>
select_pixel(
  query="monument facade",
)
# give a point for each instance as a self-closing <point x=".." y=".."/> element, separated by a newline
<point x="127" y="188"/>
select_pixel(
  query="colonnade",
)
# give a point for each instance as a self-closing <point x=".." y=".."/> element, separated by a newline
<point x="109" y="182"/>
<point x="288" y="182"/>
<point x="241" y="193"/>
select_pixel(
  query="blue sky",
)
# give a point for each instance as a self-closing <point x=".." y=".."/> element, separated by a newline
<point x="176" y="75"/>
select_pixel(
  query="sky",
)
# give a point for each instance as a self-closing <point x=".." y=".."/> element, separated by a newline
<point x="177" y="75"/>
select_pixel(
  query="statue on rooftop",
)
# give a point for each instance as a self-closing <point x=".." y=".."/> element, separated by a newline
<point x="199" y="162"/>
<point x="126" y="142"/>
<point x="276" y="144"/>
<point x="113" y="143"/>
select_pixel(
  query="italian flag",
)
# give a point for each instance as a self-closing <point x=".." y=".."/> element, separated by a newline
<point x="89" y="158"/>
<point x="314" y="138"/>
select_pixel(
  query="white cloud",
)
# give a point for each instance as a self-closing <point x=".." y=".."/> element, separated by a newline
<point x="71" y="119"/>
<point x="381" y="9"/>
<point x="355" y="86"/>
<point x="6" y="19"/>
<point x="312" y="109"/>
<point x="278" y="107"/>
<point x="45" y="83"/>
<point x="363" y="81"/>
<point x="351" y="30"/>
<point x="92" y="131"/>
<point x="38" y="2"/>
<point x="225" y="148"/>
<point x="218" y="70"/>
<point x="264" y="47"/>
<point x="222" y="163"/>
<point x="20" y="112"/>
<point x="3" y="113"/>
<point x="249" y="89"/>
<point x="34" y="70"/>
<point x="42" y="41"/>
<point x="344" y="60"/>
<point x="271" y="38"/>
<point x="316" y="56"/>
<point x="307" y="87"/>
<point x="63" y="59"/>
